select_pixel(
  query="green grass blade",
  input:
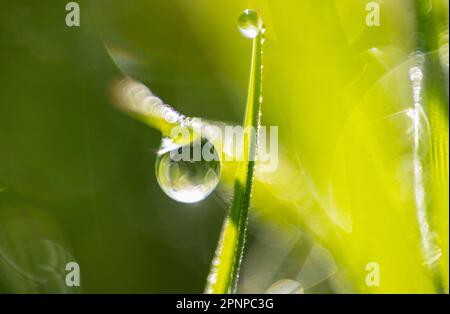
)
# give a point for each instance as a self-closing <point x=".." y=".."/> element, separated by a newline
<point x="224" y="274"/>
<point x="435" y="247"/>
<point x="138" y="101"/>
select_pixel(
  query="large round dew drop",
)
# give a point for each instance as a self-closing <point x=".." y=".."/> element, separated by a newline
<point x="188" y="173"/>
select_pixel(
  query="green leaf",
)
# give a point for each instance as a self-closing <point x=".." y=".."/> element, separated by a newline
<point x="224" y="274"/>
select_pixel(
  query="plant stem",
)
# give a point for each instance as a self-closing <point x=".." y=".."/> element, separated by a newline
<point x="435" y="98"/>
<point x="224" y="274"/>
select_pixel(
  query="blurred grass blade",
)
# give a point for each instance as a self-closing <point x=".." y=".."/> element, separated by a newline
<point x="432" y="24"/>
<point x="138" y="101"/>
<point x="224" y="274"/>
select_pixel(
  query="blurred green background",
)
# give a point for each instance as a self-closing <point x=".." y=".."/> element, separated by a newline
<point x="77" y="179"/>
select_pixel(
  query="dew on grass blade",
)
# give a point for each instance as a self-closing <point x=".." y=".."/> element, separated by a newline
<point x="187" y="166"/>
<point x="250" y="24"/>
<point x="136" y="99"/>
<point x="188" y="173"/>
<point x="224" y="273"/>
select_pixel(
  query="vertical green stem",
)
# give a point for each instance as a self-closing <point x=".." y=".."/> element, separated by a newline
<point x="224" y="274"/>
<point x="436" y="108"/>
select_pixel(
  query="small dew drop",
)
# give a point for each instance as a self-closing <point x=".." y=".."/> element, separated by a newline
<point x="188" y="173"/>
<point x="415" y="74"/>
<point x="250" y="24"/>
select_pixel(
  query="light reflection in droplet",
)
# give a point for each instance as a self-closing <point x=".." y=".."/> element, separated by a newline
<point x="187" y="180"/>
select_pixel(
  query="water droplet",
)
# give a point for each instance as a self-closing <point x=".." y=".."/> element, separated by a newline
<point x="415" y="74"/>
<point x="250" y="24"/>
<point x="285" y="286"/>
<point x="188" y="173"/>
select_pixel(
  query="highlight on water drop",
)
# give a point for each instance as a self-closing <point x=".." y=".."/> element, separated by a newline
<point x="250" y="23"/>
<point x="184" y="172"/>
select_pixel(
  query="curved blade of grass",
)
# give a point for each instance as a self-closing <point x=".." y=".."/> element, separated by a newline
<point x="224" y="274"/>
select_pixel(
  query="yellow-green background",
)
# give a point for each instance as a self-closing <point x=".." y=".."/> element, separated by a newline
<point x="77" y="177"/>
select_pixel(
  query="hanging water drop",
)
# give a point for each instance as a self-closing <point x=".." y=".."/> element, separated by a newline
<point x="188" y="173"/>
<point x="250" y="24"/>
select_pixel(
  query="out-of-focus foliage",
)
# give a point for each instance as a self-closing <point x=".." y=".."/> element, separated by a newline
<point x="348" y="188"/>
